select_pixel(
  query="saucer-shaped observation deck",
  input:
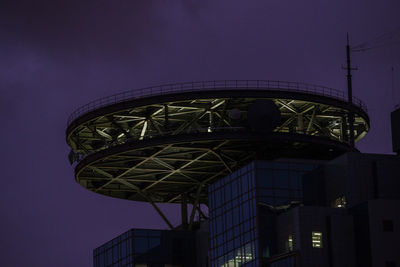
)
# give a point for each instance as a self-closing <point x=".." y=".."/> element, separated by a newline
<point x="163" y="143"/>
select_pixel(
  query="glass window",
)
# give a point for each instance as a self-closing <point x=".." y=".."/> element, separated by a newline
<point x="339" y="202"/>
<point x="251" y="180"/>
<point x="229" y="245"/>
<point x="245" y="184"/>
<point x="219" y="240"/>
<point x="289" y="243"/>
<point x="238" y="256"/>
<point x="103" y="261"/>
<point x="248" y="252"/>
<point x="218" y="198"/>
<point x="228" y="192"/>
<point x="115" y="253"/>
<point x="236" y="241"/>
<point x="247" y="237"/>
<point x="266" y="252"/>
<point x="219" y="251"/>
<point x="316" y="238"/>
<point x="141" y="245"/>
<point x="229" y="215"/>
<point x="235" y="216"/>
<point x="129" y="242"/>
<point x="123" y="249"/>
<point x="231" y="259"/>
<point x="229" y="234"/>
<point x="251" y="209"/>
<point x="218" y="223"/>
<point x="235" y="202"/>
<point x="236" y="231"/>
<point x="247" y="226"/>
<point x="244" y="197"/>
<point x="218" y="184"/>
<point x="109" y="256"/>
<point x="154" y="242"/>
<point x="141" y="232"/>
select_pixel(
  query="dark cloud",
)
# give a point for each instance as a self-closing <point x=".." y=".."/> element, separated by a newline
<point x="85" y="29"/>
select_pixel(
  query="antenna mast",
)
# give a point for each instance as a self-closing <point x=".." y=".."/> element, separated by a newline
<point x="350" y="93"/>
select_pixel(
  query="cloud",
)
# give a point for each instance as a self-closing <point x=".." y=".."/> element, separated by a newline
<point x="88" y="29"/>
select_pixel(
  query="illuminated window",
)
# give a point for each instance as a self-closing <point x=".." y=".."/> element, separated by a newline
<point x="340" y="202"/>
<point x="289" y="243"/>
<point x="316" y="238"/>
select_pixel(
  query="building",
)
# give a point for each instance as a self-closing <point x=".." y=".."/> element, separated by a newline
<point x="342" y="212"/>
<point x="140" y="247"/>
<point x="272" y="160"/>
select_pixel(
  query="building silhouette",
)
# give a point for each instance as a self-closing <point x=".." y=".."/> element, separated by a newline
<point x="273" y="161"/>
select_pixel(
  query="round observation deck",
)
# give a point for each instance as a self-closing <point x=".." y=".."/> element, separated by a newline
<point x="159" y="143"/>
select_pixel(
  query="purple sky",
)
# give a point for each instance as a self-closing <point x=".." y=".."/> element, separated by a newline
<point x="57" y="55"/>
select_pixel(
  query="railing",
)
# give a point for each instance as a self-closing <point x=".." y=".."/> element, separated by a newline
<point x="206" y="85"/>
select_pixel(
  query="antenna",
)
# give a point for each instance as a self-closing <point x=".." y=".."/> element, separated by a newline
<point x="349" y="92"/>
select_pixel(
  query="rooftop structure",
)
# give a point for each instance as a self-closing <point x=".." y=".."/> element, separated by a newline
<point x="273" y="162"/>
<point x="167" y="143"/>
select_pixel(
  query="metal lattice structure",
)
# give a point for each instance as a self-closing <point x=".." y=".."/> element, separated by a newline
<point x="167" y="143"/>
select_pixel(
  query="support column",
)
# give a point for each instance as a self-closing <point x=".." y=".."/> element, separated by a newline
<point x="166" y="117"/>
<point x="345" y="135"/>
<point x="300" y="125"/>
<point x="184" y="212"/>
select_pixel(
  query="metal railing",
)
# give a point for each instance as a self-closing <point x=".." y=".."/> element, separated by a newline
<point x="207" y="85"/>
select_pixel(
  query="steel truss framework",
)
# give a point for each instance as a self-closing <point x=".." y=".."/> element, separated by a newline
<point x="160" y="171"/>
<point x="208" y="115"/>
<point x="168" y="149"/>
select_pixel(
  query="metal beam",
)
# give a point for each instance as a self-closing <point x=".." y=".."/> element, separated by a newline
<point x="193" y="120"/>
<point x="286" y="105"/>
<point x="310" y="123"/>
<point x="196" y="202"/>
<point x="135" y="166"/>
<point x="143" y="132"/>
<point x="185" y="165"/>
<point x="222" y="160"/>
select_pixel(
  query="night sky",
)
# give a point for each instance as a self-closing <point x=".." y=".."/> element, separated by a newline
<point x="57" y="55"/>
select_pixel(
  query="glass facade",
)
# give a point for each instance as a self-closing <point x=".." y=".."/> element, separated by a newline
<point x="148" y="248"/>
<point x="232" y="209"/>
<point x="117" y="252"/>
<point x="280" y="183"/>
<point x="242" y="229"/>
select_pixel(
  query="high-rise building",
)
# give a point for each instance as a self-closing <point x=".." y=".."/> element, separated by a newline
<point x="273" y="162"/>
